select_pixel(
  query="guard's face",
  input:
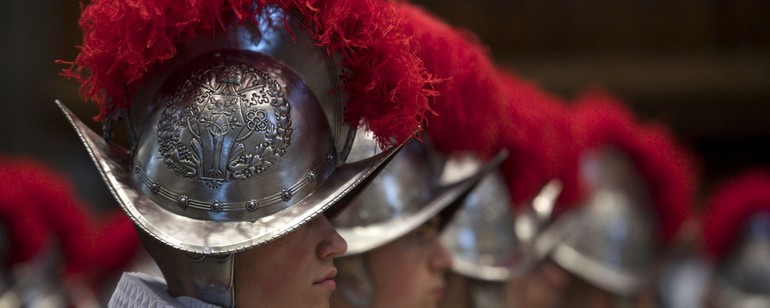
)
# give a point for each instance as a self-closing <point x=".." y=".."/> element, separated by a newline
<point x="552" y="286"/>
<point x="541" y="288"/>
<point x="293" y="271"/>
<point x="409" y="272"/>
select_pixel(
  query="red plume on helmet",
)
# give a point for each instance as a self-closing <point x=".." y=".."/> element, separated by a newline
<point x="537" y="125"/>
<point x="38" y="206"/>
<point x="26" y="231"/>
<point x="387" y="85"/>
<point x="600" y="119"/>
<point x="731" y="205"/>
<point x="483" y="109"/>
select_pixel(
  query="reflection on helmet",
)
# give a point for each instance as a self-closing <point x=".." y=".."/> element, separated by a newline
<point x="737" y="234"/>
<point x="240" y="140"/>
<point x="406" y="194"/>
<point x="610" y="240"/>
<point x="743" y="276"/>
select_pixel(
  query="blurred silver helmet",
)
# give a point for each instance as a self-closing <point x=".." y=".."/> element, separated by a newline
<point x="490" y="241"/>
<point x="611" y="240"/>
<point x="743" y="277"/>
<point x="404" y="196"/>
<point x="240" y="141"/>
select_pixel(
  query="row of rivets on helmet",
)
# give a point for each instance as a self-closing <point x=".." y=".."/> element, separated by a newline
<point x="184" y="202"/>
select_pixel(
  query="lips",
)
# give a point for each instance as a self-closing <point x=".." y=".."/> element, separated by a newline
<point x="327" y="280"/>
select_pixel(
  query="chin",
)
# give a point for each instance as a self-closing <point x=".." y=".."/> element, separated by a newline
<point x="320" y="300"/>
<point x="320" y="304"/>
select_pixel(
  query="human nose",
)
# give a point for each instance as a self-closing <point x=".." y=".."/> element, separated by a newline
<point x="332" y="244"/>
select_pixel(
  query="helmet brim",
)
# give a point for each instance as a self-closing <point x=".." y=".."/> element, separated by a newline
<point x="554" y="244"/>
<point x="218" y="237"/>
<point x="445" y="201"/>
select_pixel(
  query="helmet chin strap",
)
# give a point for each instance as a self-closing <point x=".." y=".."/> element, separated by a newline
<point x="213" y="278"/>
<point x="206" y="278"/>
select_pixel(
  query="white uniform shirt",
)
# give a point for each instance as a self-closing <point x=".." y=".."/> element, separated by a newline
<point x="142" y="290"/>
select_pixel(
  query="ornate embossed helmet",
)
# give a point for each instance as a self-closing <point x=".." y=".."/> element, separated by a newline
<point x="737" y="234"/>
<point x="240" y="111"/>
<point x="639" y="189"/>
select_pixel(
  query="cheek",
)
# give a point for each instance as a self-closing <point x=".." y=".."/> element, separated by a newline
<point x="255" y="278"/>
<point x="274" y="272"/>
<point x="398" y="275"/>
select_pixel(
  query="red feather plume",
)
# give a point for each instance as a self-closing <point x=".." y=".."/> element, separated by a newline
<point x="483" y="109"/>
<point x="537" y="129"/>
<point x="387" y="85"/>
<point x="666" y="166"/>
<point x="731" y="205"/>
<point x="38" y="206"/>
<point x="26" y="232"/>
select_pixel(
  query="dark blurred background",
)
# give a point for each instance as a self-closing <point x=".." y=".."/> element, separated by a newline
<point x="702" y="67"/>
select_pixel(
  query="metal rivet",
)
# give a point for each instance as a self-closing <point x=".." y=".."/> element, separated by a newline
<point x="155" y="187"/>
<point x="285" y="195"/>
<point x="216" y="205"/>
<point x="183" y="201"/>
<point x="251" y="205"/>
<point x="310" y="177"/>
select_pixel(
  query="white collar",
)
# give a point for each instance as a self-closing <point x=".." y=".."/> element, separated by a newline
<point x="142" y="290"/>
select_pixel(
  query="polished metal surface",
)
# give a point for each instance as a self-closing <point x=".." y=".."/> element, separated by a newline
<point x="611" y="240"/>
<point x="744" y="275"/>
<point x="684" y="278"/>
<point x="405" y="195"/>
<point x="488" y="240"/>
<point x="236" y="141"/>
<point x="213" y="278"/>
<point x="482" y="235"/>
<point x="531" y="222"/>
<point x="36" y="283"/>
<point x="238" y="137"/>
<point x="487" y="294"/>
<point x="728" y="296"/>
<point x="276" y="34"/>
<point x="205" y="277"/>
<point x="216" y="236"/>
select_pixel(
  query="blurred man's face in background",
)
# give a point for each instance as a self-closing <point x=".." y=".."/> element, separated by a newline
<point x="549" y="285"/>
<point x="409" y="272"/>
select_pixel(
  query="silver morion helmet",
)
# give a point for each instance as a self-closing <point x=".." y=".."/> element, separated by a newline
<point x="611" y="240"/>
<point x="405" y="195"/>
<point x="743" y="276"/>
<point x="240" y="140"/>
<point x="488" y="239"/>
